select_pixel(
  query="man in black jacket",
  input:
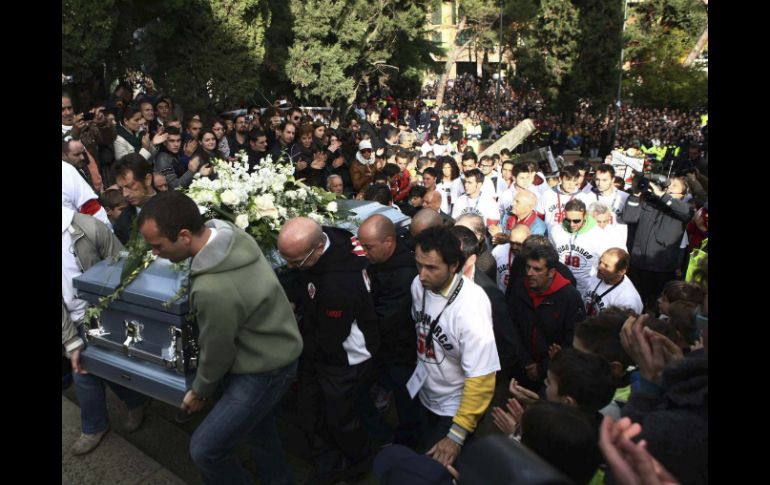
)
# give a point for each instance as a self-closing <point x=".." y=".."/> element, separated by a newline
<point x="545" y="308"/>
<point x="661" y="218"/>
<point x="501" y="318"/>
<point x="339" y="331"/>
<point x="392" y="269"/>
<point x="369" y="126"/>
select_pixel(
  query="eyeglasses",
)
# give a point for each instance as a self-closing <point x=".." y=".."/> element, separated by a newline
<point x="573" y="221"/>
<point x="304" y="260"/>
<point x="366" y="150"/>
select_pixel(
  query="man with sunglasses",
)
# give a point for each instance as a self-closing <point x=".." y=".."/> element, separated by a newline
<point x="340" y="333"/>
<point x="579" y="243"/>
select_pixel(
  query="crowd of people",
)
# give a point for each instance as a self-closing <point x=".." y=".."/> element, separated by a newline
<point x="565" y="310"/>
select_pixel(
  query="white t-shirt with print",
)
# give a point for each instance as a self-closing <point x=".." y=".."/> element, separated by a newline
<point x="623" y="296"/>
<point x="463" y="343"/>
<point x="503" y="261"/>
<point x="482" y="205"/>
<point x="551" y="203"/>
<point x="580" y="252"/>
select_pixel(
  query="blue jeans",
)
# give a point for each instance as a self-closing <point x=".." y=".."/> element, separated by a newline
<point x="93" y="401"/>
<point x="244" y="414"/>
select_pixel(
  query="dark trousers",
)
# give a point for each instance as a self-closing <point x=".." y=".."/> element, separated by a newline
<point x="433" y="428"/>
<point x="393" y="376"/>
<point x="649" y="284"/>
<point x="329" y="411"/>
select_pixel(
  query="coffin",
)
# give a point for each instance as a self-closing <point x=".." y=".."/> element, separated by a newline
<point x="144" y="340"/>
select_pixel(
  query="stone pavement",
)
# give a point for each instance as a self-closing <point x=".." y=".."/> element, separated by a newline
<point x="157" y="453"/>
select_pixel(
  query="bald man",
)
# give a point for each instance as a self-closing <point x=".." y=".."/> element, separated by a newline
<point x="522" y="211"/>
<point x="339" y="331"/>
<point x="504" y="254"/>
<point x="392" y="269"/>
<point x="432" y="200"/>
<point x="612" y="287"/>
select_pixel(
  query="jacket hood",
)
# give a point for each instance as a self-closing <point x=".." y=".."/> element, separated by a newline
<point x="363" y="161"/>
<point x="230" y="249"/>
<point x="557" y="284"/>
<point x="589" y="224"/>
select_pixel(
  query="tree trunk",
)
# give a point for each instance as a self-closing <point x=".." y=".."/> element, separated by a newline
<point x="452" y="58"/>
<point x="696" y="51"/>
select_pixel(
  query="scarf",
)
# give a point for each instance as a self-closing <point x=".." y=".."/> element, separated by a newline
<point x="129" y="137"/>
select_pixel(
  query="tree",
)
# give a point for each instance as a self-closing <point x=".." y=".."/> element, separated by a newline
<point x="660" y="36"/>
<point x="549" y="49"/>
<point x="476" y="20"/>
<point x="338" y="46"/>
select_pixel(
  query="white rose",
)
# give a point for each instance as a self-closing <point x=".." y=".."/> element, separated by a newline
<point x="290" y="194"/>
<point x="264" y="203"/>
<point x="277" y="187"/>
<point x="242" y="221"/>
<point x="316" y="217"/>
<point x="204" y="197"/>
<point x="331" y="206"/>
<point x="229" y="197"/>
<point x="301" y="194"/>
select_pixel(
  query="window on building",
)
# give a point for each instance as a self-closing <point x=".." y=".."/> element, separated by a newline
<point x="435" y="15"/>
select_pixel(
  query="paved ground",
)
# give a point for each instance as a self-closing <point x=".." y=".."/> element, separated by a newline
<point x="157" y="453"/>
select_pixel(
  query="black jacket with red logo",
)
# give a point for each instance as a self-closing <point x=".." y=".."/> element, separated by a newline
<point x="339" y="324"/>
<point x="552" y="322"/>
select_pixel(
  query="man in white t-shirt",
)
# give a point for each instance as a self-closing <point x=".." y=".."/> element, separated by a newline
<point x="606" y="193"/>
<point x="578" y="243"/>
<point x="475" y="200"/>
<point x="551" y="204"/>
<point x="612" y="287"/>
<point x="504" y="254"/>
<point x="456" y="352"/>
<point x="615" y="234"/>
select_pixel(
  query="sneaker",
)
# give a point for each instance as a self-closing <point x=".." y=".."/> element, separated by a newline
<point x="134" y="418"/>
<point x="87" y="443"/>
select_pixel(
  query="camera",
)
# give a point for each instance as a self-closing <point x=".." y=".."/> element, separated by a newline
<point x="249" y="118"/>
<point x="67" y="79"/>
<point x="642" y="183"/>
<point x="88" y="116"/>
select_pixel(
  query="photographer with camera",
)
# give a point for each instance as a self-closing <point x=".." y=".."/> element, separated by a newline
<point x="661" y="217"/>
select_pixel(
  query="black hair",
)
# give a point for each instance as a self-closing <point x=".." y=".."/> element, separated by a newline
<point x="379" y="193"/>
<point x="564" y="437"/>
<point x="433" y="171"/>
<point x="469" y="243"/>
<point x="600" y="334"/>
<point x="606" y="167"/>
<point x="418" y="191"/>
<point x="575" y="205"/>
<point x="475" y="173"/>
<point x="548" y="253"/>
<point x="441" y="240"/>
<point x="391" y="169"/>
<point x="586" y="378"/>
<point x="172" y="211"/>
<point x="134" y="163"/>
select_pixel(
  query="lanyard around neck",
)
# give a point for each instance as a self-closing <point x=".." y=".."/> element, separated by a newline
<point x="432" y="328"/>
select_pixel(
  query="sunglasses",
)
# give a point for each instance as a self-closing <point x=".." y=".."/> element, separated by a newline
<point x="573" y="221"/>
